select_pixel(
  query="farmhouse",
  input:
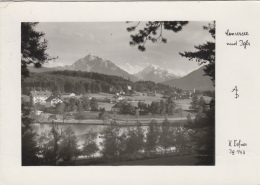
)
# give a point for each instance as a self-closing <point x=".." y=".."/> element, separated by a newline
<point x="118" y="97"/>
<point x="39" y="97"/>
<point x="117" y="107"/>
<point x="53" y="100"/>
<point x="68" y="95"/>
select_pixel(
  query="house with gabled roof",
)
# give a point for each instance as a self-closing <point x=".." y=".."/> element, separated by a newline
<point x="53" y="100"/>
<point x="68" y="95"/>
<point x="117" y="107"/>
<point x="39" y="97"/>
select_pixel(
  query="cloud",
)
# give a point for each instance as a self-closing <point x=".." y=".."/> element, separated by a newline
<point x="80" y="35"/>
<point x="91" y="36"/>
<point x="145" y="58"/>
<point x="179" y="73"/>
<point x="131" y="69"/>
<point x="69" y="41"/>
<point x="53" y="64"/>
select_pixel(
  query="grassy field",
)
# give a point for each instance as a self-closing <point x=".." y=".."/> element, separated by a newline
<point x="107" y="106"/>
<point x="101" y="95"/>
<point x="146" y="99"/>
<point x="181" y="160"/>
<point x="184" y="104"/>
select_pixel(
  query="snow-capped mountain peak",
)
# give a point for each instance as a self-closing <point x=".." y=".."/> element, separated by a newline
<point x="154" y="66"/>
<point x="155" y="73"/>
<point x="99" y="65"/>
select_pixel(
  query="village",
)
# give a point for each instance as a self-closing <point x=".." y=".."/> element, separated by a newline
<point x="102" y="108"/>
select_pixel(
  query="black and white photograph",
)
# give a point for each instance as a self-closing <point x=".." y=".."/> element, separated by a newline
<point x="118" y="93"/>
<point x="129" y="93"/>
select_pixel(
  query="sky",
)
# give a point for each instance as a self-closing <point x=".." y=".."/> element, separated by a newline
<point x="110" y="41"/>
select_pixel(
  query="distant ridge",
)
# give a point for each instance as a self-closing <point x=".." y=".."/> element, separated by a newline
<point x="40" y="70"/>
<point x="195" y="79"/>
<point x="156" y="74"/>
<point x="91" y="63"/>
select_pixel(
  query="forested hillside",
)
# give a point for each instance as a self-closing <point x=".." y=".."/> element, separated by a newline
<point x="80" y="82"/>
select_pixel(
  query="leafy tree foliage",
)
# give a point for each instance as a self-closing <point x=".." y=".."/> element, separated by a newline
<point x="203" y="134"/>
<point x="181" y="139"/>
<point x="94" y="104"/>
<point x="32" y="52"/>
<point x="194" y="102"/>
<point x="60" y="108"/>
<point x="69" y="145"/>
<point x="33" y="47"/>
<point x="57" y="144"/>
<point x="142" y="107"/>
<point x="127" y="108"/>
<point x="209" y="93"/>
<point x="152" y="137"/>
<point x="150" y="32"/>
<point x="166" y="139"/>
<point x="111" y="142"/>
<point x="90" y="146"/>
<point x="48" y="143"/>
<point x="202" y="105"/>
<point x="162" y="107"/>
<point x="104" y="115"/>
<point x="85" y="102"/>
<point x="29" y="144"/>
<point x="134" y="140"/>
<point x="189" y="122"/>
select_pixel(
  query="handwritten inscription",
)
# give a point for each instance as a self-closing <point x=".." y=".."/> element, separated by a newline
<point x="235" y="89"/>
<point x="237" y="147"/>
<point x="242" y="43"/>
<point x="228" y="33"/>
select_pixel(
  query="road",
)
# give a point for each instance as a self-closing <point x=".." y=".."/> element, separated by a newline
<point x="120" y="121"/>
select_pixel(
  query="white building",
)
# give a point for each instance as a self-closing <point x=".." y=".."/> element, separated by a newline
<point x="39" y="97"/>
<point x="52" y="101"/>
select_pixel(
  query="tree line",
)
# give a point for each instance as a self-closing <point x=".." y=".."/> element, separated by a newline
<point x="118" y="144"/>
<point x="162" y="107"/>
<point x="202" y="130"/>
<point x="88" y="82"/>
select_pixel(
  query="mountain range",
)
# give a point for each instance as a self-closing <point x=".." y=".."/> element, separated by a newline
<point x="91" y="63"/>
<point x="195" y="79"/>
<point x="156" y="74"/>
<point x="99" y="65"/>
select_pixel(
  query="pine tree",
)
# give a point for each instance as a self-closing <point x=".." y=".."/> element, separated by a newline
<point x="150" y="32"/>
<point x="195" y="103"/>
<point x="33" y="49"/>
<point x="205" y="54"/>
